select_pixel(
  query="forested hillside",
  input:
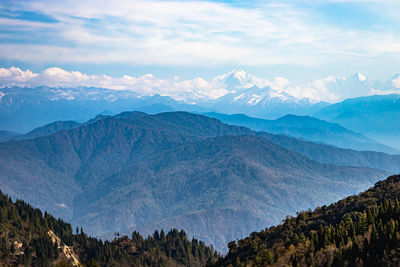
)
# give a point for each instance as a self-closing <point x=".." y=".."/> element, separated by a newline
<point x="361" y="230"/>
<point x="29" y="237"/>
<point x="171" y="170"/>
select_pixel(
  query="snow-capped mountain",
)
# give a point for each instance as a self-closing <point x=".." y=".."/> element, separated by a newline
<point x="258" y="97"/>
<point x="338" y="88"/>
<point x="329" y="89"/>
<point x="335" y="89"/>
<point x="234" y="92"/>
<point x="24" y="108"/>
<point x="393" y="83"/>
<point x="266" y="102"/>
<point x="239" y="79"/>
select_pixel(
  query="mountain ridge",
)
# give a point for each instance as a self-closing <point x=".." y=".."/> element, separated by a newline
<point x="372" y="115"/>
<point x="114" y="165"/>
<point x="308" y="128"/>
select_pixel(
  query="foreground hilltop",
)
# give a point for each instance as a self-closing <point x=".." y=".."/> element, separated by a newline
<point x="29" y="237"/>
<point x="359" y="230"/>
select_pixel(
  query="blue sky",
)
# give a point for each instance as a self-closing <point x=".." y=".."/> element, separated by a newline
<point x="300" y="40"/>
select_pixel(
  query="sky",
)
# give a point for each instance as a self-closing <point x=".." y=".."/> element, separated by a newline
<point x="301" y="40"/>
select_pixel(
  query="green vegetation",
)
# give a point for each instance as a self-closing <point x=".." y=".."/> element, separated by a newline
<point x="29" y="237"/>
<point x="172" y="170"/>
<point x="361" y="230"/>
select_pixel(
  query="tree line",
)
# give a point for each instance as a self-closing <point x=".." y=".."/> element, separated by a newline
<point x="25" y="240"/>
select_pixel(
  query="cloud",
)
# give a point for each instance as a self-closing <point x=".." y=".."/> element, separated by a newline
<point x="330" y="89"/>
<point x="396" y="81"/>
<point x="15" y="75"/>
<point x="197" y="88"/>
<point x="184" y="33"/>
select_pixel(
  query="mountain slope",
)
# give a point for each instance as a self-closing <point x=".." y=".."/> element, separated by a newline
<point x="169" y="168"/>
<point x="359" y="230"/>
<point x="58" y="126"/>
<point x="49" y="129"/>
<point x="319" y="152"/>
<point x="308" y="128"/>
<point x="338" y="156"/>
<point x="27" y="237"/>
<point x="6" y="135"/>
<point x="220" y="176"/>
<point x="372" y="115"/>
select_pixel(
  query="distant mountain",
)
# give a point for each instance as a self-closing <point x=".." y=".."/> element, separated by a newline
<point x="50" y="129"/>
<point x="58" y="126"/>
<point x="308" y="128"/>
<point x="319" y="152"/>
<point x="360" y="230"/>
<point x="239" y="79"/>
<point x="155" y="171"/>
<point x="338" y="88"/>
<point x="23" y="109"/>
<point x="334" y="155"/>
<point x="264" y="102"/>
<point x="6" y="135"/>
<point x="330" y="89"/>
<point x="374" y="116"/>
<point x="335" y="89"/>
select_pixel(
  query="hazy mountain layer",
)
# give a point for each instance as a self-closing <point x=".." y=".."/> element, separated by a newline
<point x="338" y="156"/>
<point x="309" y="128"/>
<point x="316" y="151"/>
<point x="6" y="135"/>
<point x="23" y="109"/>
<point x="375" y="116"/>
<point x="170" y="168"/>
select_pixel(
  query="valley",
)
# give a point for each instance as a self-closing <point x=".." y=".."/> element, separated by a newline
<point x="171" y="170"/>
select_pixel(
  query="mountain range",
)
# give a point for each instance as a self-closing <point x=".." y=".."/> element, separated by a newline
<point x="307" y="128"/>
<point x="373" y="115"/>
<point x="143" y="172"/>
<point x="338" y="156"/>
<point x="317" y="151"/>
<point x="24" y="108"/>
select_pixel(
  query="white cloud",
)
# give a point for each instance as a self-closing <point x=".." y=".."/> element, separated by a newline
<point x="331" y="89"/>
<point x="396" y="81"/>
<point x="384" y="92"/>
<point x="148" y="84"/>
<point x="16" y="75"/>
<point x="188" y="33"/>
